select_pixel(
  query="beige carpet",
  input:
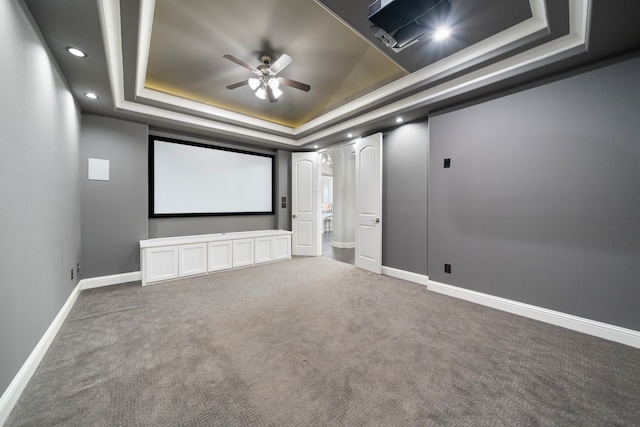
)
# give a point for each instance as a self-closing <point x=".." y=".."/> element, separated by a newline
<point x="312" y="341"/>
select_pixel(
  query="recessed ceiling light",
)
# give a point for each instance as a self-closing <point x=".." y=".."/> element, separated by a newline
<point x="91" y="95"/>
<point x="441" y="33"/>
<point x="76" y="52"/>
<point x="315" y="146"/>
<point x="398" y="119"/>
<point x="349" y="135"/>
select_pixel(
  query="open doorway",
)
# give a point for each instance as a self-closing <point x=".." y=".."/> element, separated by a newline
<point x="337" y="204"/>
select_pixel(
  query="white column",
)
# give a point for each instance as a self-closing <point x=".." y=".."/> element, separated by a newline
<point x="343" y="197"/>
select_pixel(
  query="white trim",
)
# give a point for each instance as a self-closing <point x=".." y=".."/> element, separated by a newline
<point x="110" y="18"/>
<point x="114" y="279"/>
<point x="537" y="22"/>
<point x="565" y="46"/>
<point x="147" y="8"/>
<point x="15" y="389"/>
<point x="569" y="321"/>
<point x="420" y="279"/>
<point x="575" y="323"/>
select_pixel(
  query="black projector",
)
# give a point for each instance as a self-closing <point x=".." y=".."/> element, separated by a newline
<point x="398" y="23"/>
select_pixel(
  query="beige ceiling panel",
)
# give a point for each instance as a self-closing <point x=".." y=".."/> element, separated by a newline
<point x="189" y="39"/>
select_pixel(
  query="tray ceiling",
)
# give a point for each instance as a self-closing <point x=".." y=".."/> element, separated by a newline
<point x="160" y="61"/>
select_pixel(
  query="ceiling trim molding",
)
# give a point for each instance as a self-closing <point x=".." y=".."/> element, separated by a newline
<point x="520" y="31"/>
<point x="110" y="21"/>
<point x="211" y="111"/>
<point x="524" y="29"/>
<point x="147" y="8"/>
<point x="174" y="117"/>
<point x="487" y="74"/>
<point x="570" y="44"/>
<point x="112" y="38"/>
<point x="574" y="42"/>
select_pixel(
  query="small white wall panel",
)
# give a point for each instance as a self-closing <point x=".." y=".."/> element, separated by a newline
<point x="193" y="259"/>
<point x="98" y="170"/>
<point x="220" y="255"/>
<point x="282" y="247"/>
<point x="243" y="252"/>
<point x="161" y="263"/>
<point x="264" y="249"/>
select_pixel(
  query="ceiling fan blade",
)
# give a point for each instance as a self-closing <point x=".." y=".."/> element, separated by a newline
<point x="272" y="97"/>
<point x="239" y="84"/>
<point x="281" y="63"/>
<point x="292" y="83"/>
<point x="241" y="63"/>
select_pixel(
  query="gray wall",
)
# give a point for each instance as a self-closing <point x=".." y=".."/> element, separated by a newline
<point x="404" y="198"/>
<point x="39" y="189"/>
<point x="114" y="212"/>
<point x="169" y="227"/>
<point x="542" y="201"/>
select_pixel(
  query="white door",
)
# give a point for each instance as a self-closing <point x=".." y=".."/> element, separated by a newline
<point x="305" y="204"/>
<point x="369" y="203"/>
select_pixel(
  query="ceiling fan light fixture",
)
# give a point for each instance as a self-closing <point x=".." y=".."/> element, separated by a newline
<point x="274" y="83"/>
<point x="261" y="93"/>
<point x="266" y="83"/>
<point x="254" y="83"/>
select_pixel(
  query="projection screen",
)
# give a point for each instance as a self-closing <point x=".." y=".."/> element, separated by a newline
<point x="190" y="179"/>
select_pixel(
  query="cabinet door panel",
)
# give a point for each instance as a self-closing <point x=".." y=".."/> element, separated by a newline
<point x="193" y="259"/>
<point x="264" y="249"/>
<point x="242" y="252"/>
<point x="220" y="255"/>
<point x="161" y="263"/>
<point x="282" y="247"/>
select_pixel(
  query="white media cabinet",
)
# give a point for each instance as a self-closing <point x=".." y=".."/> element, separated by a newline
<point x="173" y="257"/>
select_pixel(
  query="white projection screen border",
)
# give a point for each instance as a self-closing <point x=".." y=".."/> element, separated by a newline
<point x="192" y="179"/>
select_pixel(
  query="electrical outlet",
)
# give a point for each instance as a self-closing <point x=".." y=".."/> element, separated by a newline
<point x="72" y="274"/>
<point x="78" y="267"/>
<point x="447" y="268"/>
<point x="447" y="163"/>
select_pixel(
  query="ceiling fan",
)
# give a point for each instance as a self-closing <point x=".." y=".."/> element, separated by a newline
<point x="266" y="84"/>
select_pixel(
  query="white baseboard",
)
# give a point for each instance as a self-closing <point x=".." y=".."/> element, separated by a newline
<point x="13" y="392"/>
<point x="114" y="279"/>
<point x="580" y="324"/>
<point x="569" y="321"/>
<point x="405" y="275"/>
<point x="343" y="244"/>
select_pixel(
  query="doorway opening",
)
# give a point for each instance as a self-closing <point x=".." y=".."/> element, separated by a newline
<point x="337" y="204"/>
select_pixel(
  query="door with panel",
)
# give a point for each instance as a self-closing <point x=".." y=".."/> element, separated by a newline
<point x="305" y="205"/>
<point x="369" y="203"/>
